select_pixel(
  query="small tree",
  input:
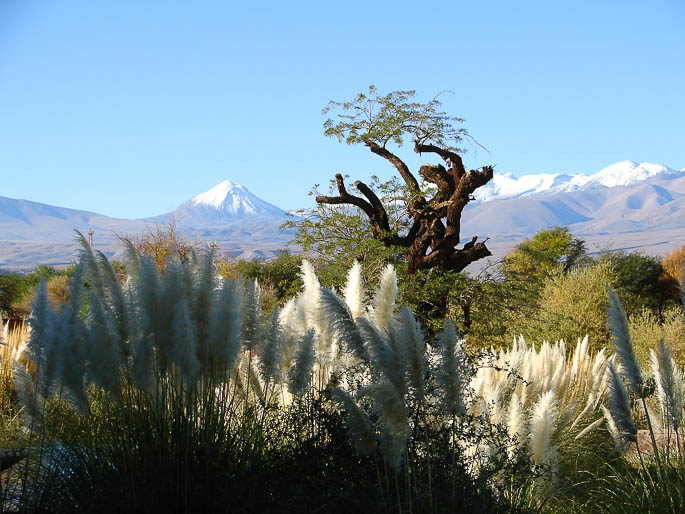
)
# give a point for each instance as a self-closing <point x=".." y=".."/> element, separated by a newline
<point x="550" y="250"/>
<point x="435" y="213"/>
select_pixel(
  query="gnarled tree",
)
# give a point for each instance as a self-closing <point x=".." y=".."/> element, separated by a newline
<point x="435" y="217"/>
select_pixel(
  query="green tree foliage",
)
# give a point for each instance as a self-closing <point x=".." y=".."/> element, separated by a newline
<point x="572" y="305"/>
<point x="641" y="282"/>
<point x="433" y="214"/>
<point x="372" y="118"/>
<point x="279" y="278"/>
<point x="334" y="236"/>
<point x="547" y="251"/>
<point x="16" y="289"/>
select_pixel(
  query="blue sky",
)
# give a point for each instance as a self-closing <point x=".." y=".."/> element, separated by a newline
<point x="129" y="108"/>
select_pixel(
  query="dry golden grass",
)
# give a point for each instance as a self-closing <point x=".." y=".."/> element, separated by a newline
<point x="12" y="347"/>
<point x="674" y="265"/>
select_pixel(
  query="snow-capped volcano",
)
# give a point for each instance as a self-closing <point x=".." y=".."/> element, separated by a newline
<point x="233" y="200"/>
<point x="622" y="173"/>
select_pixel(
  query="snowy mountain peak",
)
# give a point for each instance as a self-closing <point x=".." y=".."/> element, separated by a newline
<point x="229" y="199"/>
<point x="218" y="194"/>
<point x="618" y="174"/>
<point x="625" y="173"/>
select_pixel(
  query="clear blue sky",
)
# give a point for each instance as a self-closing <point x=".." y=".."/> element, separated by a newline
<point x="130" y="107"/>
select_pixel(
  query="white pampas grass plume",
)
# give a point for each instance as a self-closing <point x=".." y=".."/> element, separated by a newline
<point x="118" y="303"/>
<point x="342" y="324"/>
<point x="354" y="291"/>
<point x="542" y="420"/>
<point x="516" y="421"/>
<point x="132" y="259"/>
<point x="392" y="413"/>
<point x="225" y="326"/>
<point x="299" y="375"/>
<point x="87" y="258"/>
<point x="385" y="354"/>
<point x="618" y="323"/>
<point x="143" y="366"/>
<point x="29" y="401"/>
<point x="183" y="350"/>
<point x="203" y="295"/>
<point x="71" y="339"/>
<point x="252" y="312"/>
<point x="311" y="293"/>
<point x="359" y="427"/>
<point x="253" y="378"/>
<point x="621" y="415"/>
<point x="589" y="428"/>
<point x="384" y="299"/>
<point x="450" y="373"/>
<point x="410" y="331"/>
<point x="669" y="386"/>
<point x="103" y="348"/>
<point x="42" y="341"/>
<point x="270" y="359"/>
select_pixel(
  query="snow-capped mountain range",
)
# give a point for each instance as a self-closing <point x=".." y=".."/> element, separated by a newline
<point x="625" y="205"/>
<point x="622" y="173"/>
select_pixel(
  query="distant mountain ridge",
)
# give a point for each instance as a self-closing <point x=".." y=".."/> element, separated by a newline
<point x="627" y="205"/>
<point x="622" y="173"/>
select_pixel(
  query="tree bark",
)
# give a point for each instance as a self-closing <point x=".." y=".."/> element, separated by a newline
<point x="433" y="238"/>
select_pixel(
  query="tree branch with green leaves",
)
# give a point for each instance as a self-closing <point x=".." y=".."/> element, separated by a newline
<point x="377" y="121"/>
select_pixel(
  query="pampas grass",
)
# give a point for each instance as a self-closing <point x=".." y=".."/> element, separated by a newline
<point x="669" y="384"/>
<point x="384" y="299"/>
<point x="618" y="323"/>
<point x="299" y="376"/>
<point x="354" y="291"/>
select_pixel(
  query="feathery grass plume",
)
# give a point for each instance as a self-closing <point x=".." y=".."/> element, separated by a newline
<point x="29" y="401"/>
<point x="385" y="355"/>
<point x="393" y="416"/>
<point x="410" y="332"/>
<point x="183" y="350"/>
<point x="202" y="296"/>
<point x="359" y="427"/>
<point x="542" y="420"/>
<point x="76" y="288"/>
<point x="42" y="343"/>
<point x="132" y="259"/>
<point x="117" y="300"/>
<point x="589" y="428"/>
<point x="251" y="309"/>
<point x="354" y="291"/>
<point x="620" y="414"/>
<point x="147" y="297"/>
<point x="669" y="384"/>
<point x="342" y="324"/>
<point x="143" y="369"/>
<point x="450" y="373"/>
<point x="103" y="348"/>
<point x="71" y="340"/>
<point x="621" y="443"/>
<point x="87" y="258"/>
<point x="618" y="323"/>
<point x="225" y="331"/>
<point x="516" y="421"/>
<point x="299" y="375"/>
<point x="253" y="379"/>
<point x="384" y="299"/>
<point x="270" y="360"/>
<point x="326" y="345"/>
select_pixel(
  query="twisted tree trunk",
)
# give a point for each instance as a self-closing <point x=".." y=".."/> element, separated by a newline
<point x="434" y="234"/>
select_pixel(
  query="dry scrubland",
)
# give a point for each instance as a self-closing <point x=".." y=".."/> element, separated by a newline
<point x="175" y="392"/>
